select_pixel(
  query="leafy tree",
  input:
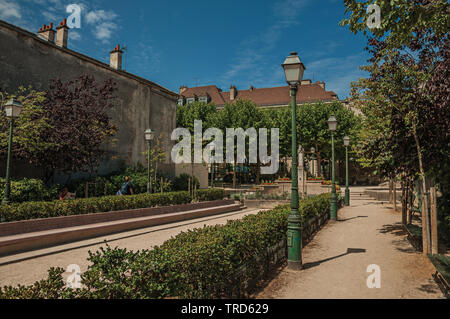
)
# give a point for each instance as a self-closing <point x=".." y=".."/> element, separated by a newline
<point x="64" y="128"/>
<point x="408" y="87"/>
<point x="29" y="128"/>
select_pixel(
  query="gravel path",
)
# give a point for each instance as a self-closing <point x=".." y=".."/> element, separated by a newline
<point x="335" y="262"/>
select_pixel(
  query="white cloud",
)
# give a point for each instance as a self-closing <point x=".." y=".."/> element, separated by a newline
<point x="100" y="16"/>
<point x="104" y="25"/>
<point x="74" y="35"/>
<point x="104" y="30"/>
<point x="9" y="10"/>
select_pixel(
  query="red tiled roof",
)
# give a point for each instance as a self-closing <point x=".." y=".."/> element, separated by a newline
<point x="198" y="91"/>
<point x="265" y="96"/>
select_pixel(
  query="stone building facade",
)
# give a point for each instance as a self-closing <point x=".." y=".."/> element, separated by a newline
<point x="28" y="59"/>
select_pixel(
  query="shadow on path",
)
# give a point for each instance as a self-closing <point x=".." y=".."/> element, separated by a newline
<point x="395" y="229"/>
<point x="349" y="251"/>
<point x="345" y="219"/>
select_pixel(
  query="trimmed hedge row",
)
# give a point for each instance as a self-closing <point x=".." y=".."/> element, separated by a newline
<point x="33" y="210"/>
<point x="209" y="262"/>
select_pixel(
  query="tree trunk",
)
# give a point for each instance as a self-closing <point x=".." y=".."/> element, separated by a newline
<point x="395" y="195"/>
<point x="258" y="172"/>
<point x="390" y="190"/>
<point x="410" y="199"/>
<point x="234" y="172"/>
<point x="426" y="238"/>
<point x="318" y="161"/>
<point x="434" y="230"/>
<point x="404" y="201"/>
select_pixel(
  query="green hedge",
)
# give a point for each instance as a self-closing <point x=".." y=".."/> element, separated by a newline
<point x="206" y="262"/>
<point x="32" y="210"/>
<point x="29" y="189"/>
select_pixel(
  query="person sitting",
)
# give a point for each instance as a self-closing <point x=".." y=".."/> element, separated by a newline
<point x="65" y="194"/>
<point x="127" y="187"/>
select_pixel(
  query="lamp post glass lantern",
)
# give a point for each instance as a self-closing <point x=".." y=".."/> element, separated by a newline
<point x="347" y="190"/>
<point x="13" y="108"/>
<point x="149" y="136"/>
<point x="293" y="71"/>
<point x="332" y="125"/>
<point x="313" y="158"/>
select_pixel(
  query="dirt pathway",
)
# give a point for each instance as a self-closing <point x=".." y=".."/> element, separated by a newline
<point x="335" y="262"/>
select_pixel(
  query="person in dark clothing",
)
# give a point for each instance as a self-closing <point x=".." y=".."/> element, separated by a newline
<point x="127" y="187"/>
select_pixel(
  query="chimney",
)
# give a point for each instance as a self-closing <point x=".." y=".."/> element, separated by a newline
<point x="305" y="82"/>
<point x="47" y="32"/>
<point x="116" y="58"/>
<point x="62" y="34"/>
<point x="322" y="84"/>
<point x="233" y="92"/>
<point x="183" y="88"/>
<point x="252" y="88"/>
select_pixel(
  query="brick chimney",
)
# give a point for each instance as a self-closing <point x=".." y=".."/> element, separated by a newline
<point x="62" y="34"/>
<point x="252" y="88"/>
<point x="115" y="60"/>
<point x="47" y="32"/>
<point x="322" y="84"/>
<point x="306" y="82"/>
<point x="183" y="88"/>
<point x="233" y="92"/>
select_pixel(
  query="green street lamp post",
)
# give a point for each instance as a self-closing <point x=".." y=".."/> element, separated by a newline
<point x="332" y="124"/>
<point x="293" y="70"/>
<point x="12" y="109"/>
<point x="211" y="162"/>
<point x="347" y="191"/>
<point x="149" y="135"/>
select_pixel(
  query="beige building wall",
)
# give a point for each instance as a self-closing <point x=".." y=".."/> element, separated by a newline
<point x="198" y="170"/>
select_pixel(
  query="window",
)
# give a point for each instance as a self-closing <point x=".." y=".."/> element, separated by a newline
<point x="203" y="99"/>
<point x="180" y="102"/>
<point x="190" y="100"/>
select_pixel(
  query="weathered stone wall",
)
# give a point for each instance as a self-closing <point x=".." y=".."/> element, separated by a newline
<point x="27" y="60"/>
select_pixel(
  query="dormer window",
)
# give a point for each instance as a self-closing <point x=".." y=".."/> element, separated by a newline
<point x="190" y="100"/>
<point x="180" y="101"/>
<point x="203" y="99"/>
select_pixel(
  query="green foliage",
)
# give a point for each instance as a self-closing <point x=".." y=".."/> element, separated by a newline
<point x="399" y="18"/>
<point x="30" y="190"/>
<point x="46" y="137"/>
<point x="209" y="194"/>
<point x="29" y="137"/>
<point x="312" y="127"/>
<point x="209" y="262"/>
<point x="33" y="210"/>
<point x="109" y="185"/>
<point x="181" y="182"/>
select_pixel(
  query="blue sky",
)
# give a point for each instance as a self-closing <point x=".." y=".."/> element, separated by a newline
<point x="203" y="42"/>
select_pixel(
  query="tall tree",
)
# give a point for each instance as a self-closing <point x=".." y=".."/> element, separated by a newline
<point x="64" y="128"/>
<point x="409" y="82"/>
